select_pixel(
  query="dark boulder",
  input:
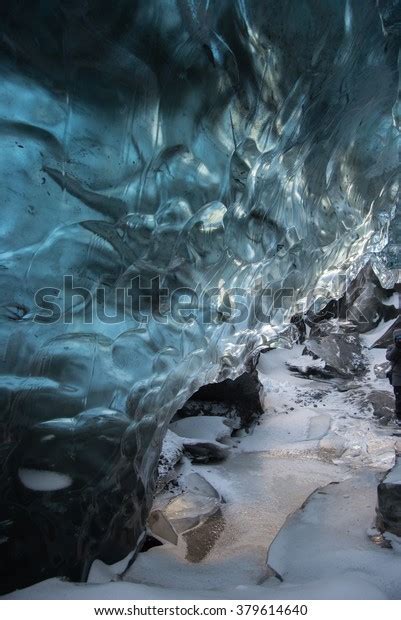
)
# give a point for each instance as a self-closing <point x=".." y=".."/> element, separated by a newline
<point x="366" y="302"/>
<point x="381" y="404"/>
<point x="381" y="370"/>
<point x="205" y="452"/>
<point x="340" y="351"/>
<point x="232" y="398"/>
<point x="368" y="309"/>
<point x="334" y="326"/>
<point x="389" y="501"/>
<point x="386" y="338"/>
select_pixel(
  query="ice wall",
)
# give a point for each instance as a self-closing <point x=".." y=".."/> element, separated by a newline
<point x="217" y="145"/>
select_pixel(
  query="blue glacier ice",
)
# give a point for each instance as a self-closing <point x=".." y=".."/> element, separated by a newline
<point x="212" y="146"/>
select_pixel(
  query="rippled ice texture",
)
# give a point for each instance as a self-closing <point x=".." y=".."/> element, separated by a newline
<point x="215" y="143"/>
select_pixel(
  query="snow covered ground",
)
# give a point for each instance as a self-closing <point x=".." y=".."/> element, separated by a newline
<point x="315" y="442"/>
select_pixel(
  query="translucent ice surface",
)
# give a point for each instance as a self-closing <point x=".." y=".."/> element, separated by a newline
<point x="168" y="151"/>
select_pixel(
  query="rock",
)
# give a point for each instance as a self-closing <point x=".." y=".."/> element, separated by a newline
<point x="366" y="303"/>
<point x="347" y="386"/>
<point x="368" y="307"/>
<point x="149" y="542"/>
<point x="333" y="326"/>
<point x="341" y="353"/>
<point x="198" y="408"/>
<point x="333" y="350"/>
<point x="329" y="311"/>
<point x="380" y="370"/>
<point x="386" y="339"/>
<point x="378" y="538"/>
<point x="298" y="321"/>
<point x="389" y="501"/>
<point x="206" y="452"/>
<point x="306" y="366"/>
<point x="237" y="399"/>
<point x="381" y="403"/>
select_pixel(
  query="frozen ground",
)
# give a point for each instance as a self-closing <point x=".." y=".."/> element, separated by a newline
<point x="312" y="435"/>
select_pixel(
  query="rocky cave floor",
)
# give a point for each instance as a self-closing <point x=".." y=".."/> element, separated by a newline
<point x="284" y="511"/>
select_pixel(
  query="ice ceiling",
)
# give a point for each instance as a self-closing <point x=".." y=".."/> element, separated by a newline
<point x="216" y="145"/>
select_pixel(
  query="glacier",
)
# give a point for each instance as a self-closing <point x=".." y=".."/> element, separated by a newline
<point x="200" y="150"/>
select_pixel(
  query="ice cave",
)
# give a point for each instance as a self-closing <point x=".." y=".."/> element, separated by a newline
<point x="200" y="270"/>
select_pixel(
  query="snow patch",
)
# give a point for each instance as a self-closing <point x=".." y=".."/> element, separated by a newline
<point x="42" y="480"/>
